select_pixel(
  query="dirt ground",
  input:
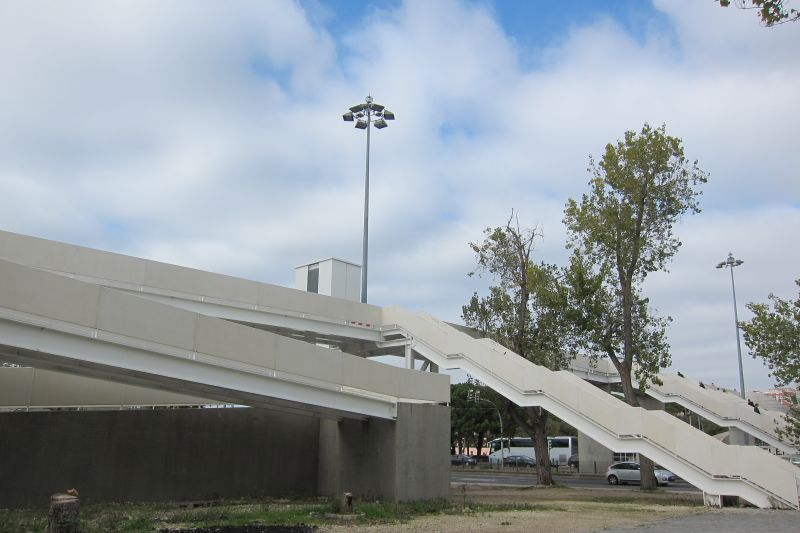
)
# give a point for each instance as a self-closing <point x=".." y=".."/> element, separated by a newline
<point x="554" y="510"/>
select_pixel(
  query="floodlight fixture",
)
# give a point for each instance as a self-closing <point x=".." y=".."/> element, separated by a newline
<point x="365" y="115"/>
<point x="732" y="262"/>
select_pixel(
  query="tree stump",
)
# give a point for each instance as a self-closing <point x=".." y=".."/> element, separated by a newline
<point x="347" y="503"/>
<point x="64" y="515"/>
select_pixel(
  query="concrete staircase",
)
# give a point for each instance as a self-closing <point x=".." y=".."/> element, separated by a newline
<point x="717" y="469"/>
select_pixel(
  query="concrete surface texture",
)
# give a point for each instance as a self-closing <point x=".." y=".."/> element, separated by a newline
<point x="152" y="455"/>
<point x="206" y="454"/>
<point x="380" y="459"/>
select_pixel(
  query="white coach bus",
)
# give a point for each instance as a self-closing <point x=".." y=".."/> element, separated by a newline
<point x="561" y="448"/>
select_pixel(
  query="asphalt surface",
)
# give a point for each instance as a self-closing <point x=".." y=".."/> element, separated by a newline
<point x="724" y="521"/>
<point x="527" y="479"/>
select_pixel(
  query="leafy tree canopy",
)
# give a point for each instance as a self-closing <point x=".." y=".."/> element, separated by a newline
<point x="771" y="12"/>
<point x="524" y="311"/>
<point x="621" y="231"/>
<point x="475" y="422"/>
<point x="773" y="334"/>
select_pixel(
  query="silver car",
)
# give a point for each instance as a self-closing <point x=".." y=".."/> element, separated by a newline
<point x="630" y="472"/>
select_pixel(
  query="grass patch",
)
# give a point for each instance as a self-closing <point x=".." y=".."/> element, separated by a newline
<point x="648" y="499"/>
<point x="136" y="517"/>
<point x="149" y="517"/>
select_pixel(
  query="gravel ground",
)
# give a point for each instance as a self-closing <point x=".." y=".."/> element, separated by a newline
<point x="555" y="521"/>
<point x="584" y="511"/>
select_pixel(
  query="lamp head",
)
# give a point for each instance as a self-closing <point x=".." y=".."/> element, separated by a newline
<point x="348" y="117"/>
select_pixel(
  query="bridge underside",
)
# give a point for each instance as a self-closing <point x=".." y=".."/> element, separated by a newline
<point x="312" y="420"/>
<point x="186" y="454"/>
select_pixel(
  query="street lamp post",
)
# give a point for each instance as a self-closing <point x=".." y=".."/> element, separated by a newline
<point x="475" y="396"/>
<point x="731" y="262"/>
<point x="365" y="115"/>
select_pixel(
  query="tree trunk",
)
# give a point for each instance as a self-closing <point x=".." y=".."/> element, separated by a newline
<point x="649" y="481"/>
<point x="64" y="515"/>
<point x="646" y="466"/>
<point x="541" y="448"/>
<point x="534" y="425"/>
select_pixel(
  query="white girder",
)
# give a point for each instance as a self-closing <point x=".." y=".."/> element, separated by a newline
<point x="321" y="318"/>
<point x="722" y="408"/>
<point x="26" y="388"/>
<point x="718" y="469"/>
<point x="52" y="321"/>
<point x="330" y="320"/>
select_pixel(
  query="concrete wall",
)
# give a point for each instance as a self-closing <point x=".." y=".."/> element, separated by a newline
<point x="199" y="454"/>
<point x="175" y="454"/>
<point x="594" y="458"/>
<point x="399" y="461"/>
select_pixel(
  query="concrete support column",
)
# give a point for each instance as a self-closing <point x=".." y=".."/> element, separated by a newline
<point x="409" y="357"/>
<point x="650" y="403"/>
<point x="397" y="460"/>
<point x="594" y="458"/>
<point x="329" y="472"/>
<point x="738" y="437"/>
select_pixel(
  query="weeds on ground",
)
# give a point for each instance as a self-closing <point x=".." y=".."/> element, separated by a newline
<point x="149" y="517"/>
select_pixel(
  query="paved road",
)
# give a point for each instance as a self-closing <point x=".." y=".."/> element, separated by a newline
<point x="524" y="479"/>
<point x="727" y="521"/>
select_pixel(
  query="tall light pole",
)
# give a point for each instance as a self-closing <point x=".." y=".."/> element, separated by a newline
<point x="731" y="262"/>
<point x="365" y="115"/>
<point x="474" y="395"/>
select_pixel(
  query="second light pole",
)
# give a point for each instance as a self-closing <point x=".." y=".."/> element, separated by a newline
<point x="365" y="115"/>
<point x="731" y="262"/>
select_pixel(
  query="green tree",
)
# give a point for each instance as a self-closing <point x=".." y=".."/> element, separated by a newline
<point x="523" y="312"/>
<point x="774" y="336"/>
<point x="473" y="423"/>
<point x="771" y="12"/>
<point x="621" y="232"/>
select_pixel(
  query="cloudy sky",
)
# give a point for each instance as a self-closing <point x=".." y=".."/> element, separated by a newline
<point x="209" y="134"/>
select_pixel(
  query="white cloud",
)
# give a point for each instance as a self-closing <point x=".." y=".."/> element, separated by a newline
<point x="208" y="134"/>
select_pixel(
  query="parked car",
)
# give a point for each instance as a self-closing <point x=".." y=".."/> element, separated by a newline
<point x="461" y="459"/>
<point x="519" y="460"/>
<point x="573" y="461"/>
<point x="793" y="459"/>
<point x="630" y="472"/>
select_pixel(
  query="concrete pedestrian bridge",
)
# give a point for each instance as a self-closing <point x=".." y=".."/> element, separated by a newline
<point x="203" y="338"/>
